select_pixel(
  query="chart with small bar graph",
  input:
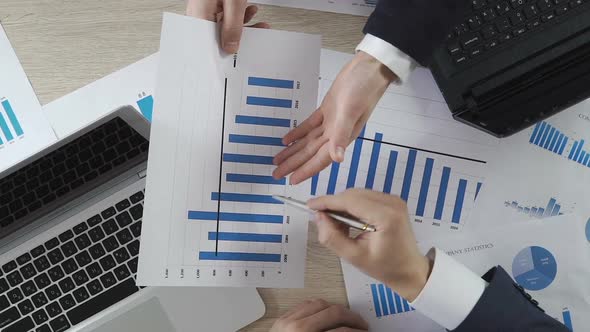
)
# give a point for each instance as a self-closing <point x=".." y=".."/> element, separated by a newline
<point x="549" y="137"/>
<point x="387" y="302"/>
<point x="551" y="209"/>
<point x="10" y="126"/>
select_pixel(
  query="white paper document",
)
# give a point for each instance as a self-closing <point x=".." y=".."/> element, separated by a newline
<point x="353" y="7"/>
<point x="132" y="85"/>
<point x="24" y="130"/>
<point x="411" y="147"/>
<point x="548" y="258"/>
<point x="210" y="219"/>
<point x="543" y="171"/>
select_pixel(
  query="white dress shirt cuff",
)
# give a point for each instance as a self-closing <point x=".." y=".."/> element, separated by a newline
<point x="397" y="61"/>
<point x="451" y="292"/>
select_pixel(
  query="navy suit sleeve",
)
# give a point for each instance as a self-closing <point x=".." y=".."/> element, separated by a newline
<point x="416" y="27"/>
<point x="505" y="306"/>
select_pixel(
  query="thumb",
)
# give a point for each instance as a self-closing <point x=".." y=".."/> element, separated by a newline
<point x="340" y="134"/>
<point x="232" y="24"/>
<point x="334" y="236"/>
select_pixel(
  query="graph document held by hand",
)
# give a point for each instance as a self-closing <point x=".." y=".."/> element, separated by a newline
<point x="411" y="147"/>
<point x="23" y="127"/>
<point x="353" y="7"/>
<point x="553" y="271"/>
<point x="541" y="172"/>
<point x="210" y="219"/>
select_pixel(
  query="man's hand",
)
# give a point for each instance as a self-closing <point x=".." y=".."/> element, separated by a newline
<point x="390" y="254"/>
<point x="232" y="14"/>
<point x="319" y="316"/>
<point x="324" y="136"/>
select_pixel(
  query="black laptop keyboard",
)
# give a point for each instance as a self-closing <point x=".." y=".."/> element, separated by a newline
<point x="75" y="275"/>
<point x="495" y="22"/>
<point x="88" y="161"/>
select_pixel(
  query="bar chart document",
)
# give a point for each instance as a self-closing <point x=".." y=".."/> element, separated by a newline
<point x="353" y="7"/>
<point x="534" y="254"/>
<point x="411" y="147"/>
<point x="541" y="172"/>
<point x="210" y="218"/>
<point x="24" y="129"/>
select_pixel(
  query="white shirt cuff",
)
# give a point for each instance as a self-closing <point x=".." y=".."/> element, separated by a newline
<point x="451" y="292"/>
<point x="397" y="61"/>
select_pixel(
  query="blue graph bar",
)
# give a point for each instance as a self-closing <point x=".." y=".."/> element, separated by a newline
<point x="527" y="210"/>
<point x="567" y="320"/>
<point x="477" y="189"/>
<point x="549" y="138"/>
<point x="582" y="156"/>
<point x="406" y="306"/>
<point x="263" y="121"/>
<point x="398" y="303"/>
<point x="354" y="164"/>
<point x="545" y="134"/>
<point x="239" y="256"/>
<point x="376" y="300"/>
<point x="1" y="141"/>
<point x="245" y="237"/>
<point x="390" y="301"/>
<point x="514" y="204"/>
<point x="390" y="172"/>
<point x="247" y="198"/>
<point x="383" y="300"/>
<point x="573" y="150"/>
<point x="146" y="106"/>
<point x="563" y="145"/>
<point x="534" y="211"/>
<point x="271" y="82"/>
<point x="556" y="209"/>
<point x="558" y="143"/>
<point x="580" y="146"/>
<point x="314" y="184"/>
<point x="540" y="133"/>
<point x="408" y="175"/>
<point x="535" y="132"/>
<point x="333" y="178"/>
<point x="270" y="102"/>
<point x="550" y="206"/>
<point x="12" y="118"/>
<point x="260" y="179"/>
<point x="257" y="140"/>
<point x="374" y="161"/>
<point x="540" y="212"/>
<point x="442" y="193"/>
<point x="424" y="187"/>
<point x="585" y="161"/>
<point x="554" y="140"/>
<point x="247" y="159"/>
<point x="5" y="129"/>
<point x="238" y="217"/>
<point x="459" y="201"/>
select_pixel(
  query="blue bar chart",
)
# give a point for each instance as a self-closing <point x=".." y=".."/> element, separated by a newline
<point x="551" y="209"/>
<point x="146" y="105"/>
<point x="387" y="302"/>
<point x="550" y="138"/>
<point x="433" y="187"/>
<point x="10" y="126"/>
<point x="567" y="319"/>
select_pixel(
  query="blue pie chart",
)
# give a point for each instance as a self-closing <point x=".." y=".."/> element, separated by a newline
<point x="534" y="268"/>
<point x="588" y="230"/>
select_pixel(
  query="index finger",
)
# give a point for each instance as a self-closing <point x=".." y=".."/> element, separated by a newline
<point x="234" y="12"/>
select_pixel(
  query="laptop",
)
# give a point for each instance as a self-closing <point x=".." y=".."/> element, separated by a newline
<point x="511" y="63"/>
<point x="70" y="226"/>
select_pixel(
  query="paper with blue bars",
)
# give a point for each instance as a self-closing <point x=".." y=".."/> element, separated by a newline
<point x="210" y="219"/>
<point x="24" y="130"/>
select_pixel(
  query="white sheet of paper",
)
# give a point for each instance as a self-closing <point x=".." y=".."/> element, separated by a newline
<point x="535" y="174"/>
<point x="548" y="258"/>
<point x="412" y="122"/>
<point x="132" y="85"/>
<point x="24" y="130"/>
<point x="223" y="120"/>
<point x="353" y="7"/>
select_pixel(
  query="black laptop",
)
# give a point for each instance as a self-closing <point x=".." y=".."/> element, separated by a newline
<point x="512" y="63"/>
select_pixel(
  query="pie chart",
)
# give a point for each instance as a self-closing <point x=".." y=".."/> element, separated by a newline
<point x="588" y="230"/>
<point x="534" y="268"/>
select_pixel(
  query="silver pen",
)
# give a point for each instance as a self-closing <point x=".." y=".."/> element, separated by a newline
<point x="354" y="223"/>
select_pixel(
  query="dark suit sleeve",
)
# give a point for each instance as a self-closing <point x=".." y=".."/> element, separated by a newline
<point x="505" y="306"/>
<point x="416" y="27"/>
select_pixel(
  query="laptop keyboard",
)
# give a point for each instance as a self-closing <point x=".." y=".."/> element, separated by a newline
<point x="74" y="275"/>
<point x="495" y="22"/>
<point x="86" y="162"/>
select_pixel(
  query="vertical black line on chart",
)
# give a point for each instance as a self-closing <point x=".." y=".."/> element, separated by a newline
<point x="235" y="60"/>
<point x="220" y="168"/>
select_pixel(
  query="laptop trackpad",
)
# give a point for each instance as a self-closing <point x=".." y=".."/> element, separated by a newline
<point x="146" y="317"/>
